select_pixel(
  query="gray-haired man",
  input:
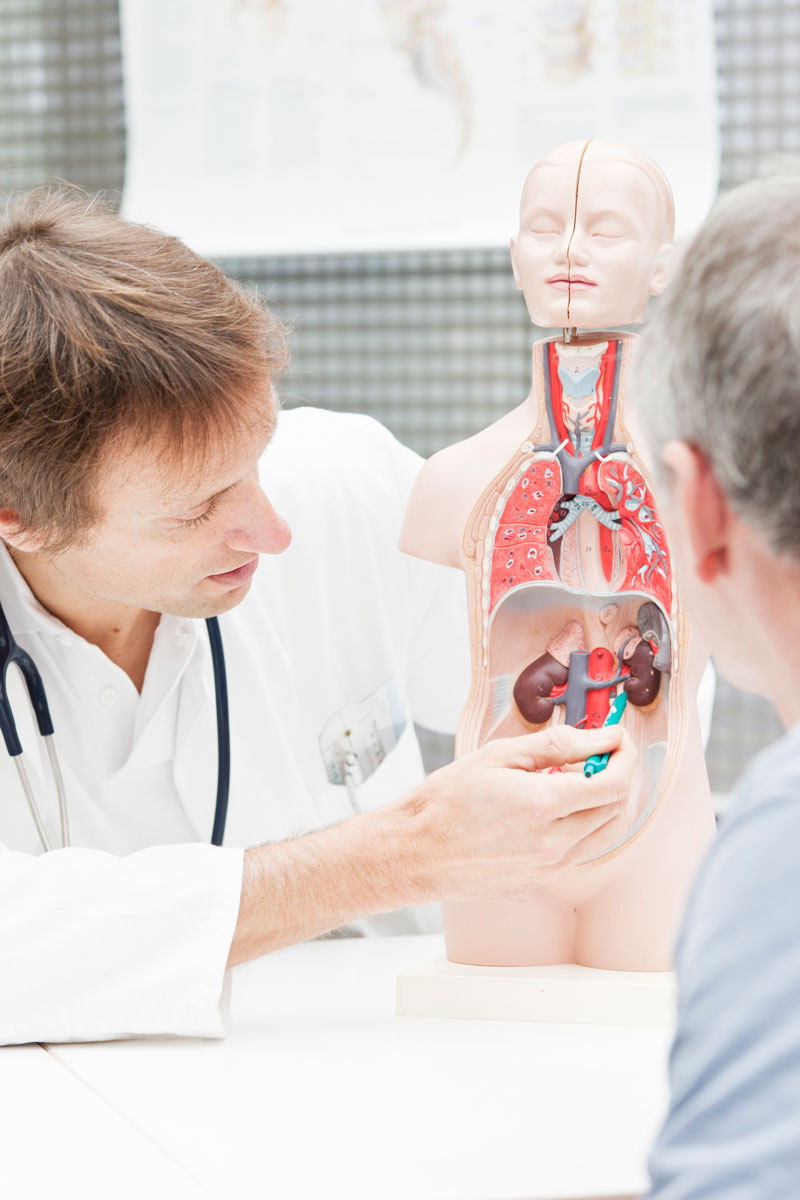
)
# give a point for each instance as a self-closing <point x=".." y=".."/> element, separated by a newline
<point x="719" y="404"/>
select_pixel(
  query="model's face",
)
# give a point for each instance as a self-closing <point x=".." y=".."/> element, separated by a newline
<point x="173" y="541"/>
<point x="590" y="262"/>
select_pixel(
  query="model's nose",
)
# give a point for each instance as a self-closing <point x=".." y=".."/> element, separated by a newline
<point x="561" y="249"/>
<point x="579" y="255"/>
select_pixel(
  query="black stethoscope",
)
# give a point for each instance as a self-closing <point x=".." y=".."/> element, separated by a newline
<point x="12" y="653"/>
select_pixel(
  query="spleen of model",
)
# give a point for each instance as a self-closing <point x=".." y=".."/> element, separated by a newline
<point x="571" y="587"/>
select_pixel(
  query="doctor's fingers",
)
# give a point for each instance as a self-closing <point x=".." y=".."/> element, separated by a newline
<point x="557" y="795"/>
<point x="552" y="747"/>
<point x="571" y="840"/>
<point x="594" y="842"/>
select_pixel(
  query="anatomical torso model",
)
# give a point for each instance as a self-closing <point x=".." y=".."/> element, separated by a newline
<point x="574" y="612"/>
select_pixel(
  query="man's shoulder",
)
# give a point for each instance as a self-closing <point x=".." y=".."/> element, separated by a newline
<point x="769" y="790"/>
<point x="751" y="878"/>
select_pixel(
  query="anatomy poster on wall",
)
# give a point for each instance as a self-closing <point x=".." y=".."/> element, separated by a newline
<point x="270" y="126"/>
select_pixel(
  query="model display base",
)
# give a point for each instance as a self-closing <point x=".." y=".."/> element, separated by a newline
<point x="566" y="994"/>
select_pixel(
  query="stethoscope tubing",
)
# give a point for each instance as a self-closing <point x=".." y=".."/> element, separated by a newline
<point x="223" y="731"/>
<point x="12" y="653"/>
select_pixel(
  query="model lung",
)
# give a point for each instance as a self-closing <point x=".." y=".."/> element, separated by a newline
<point x="580" y="475"/>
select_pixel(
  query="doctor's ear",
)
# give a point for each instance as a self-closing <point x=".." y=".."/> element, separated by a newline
<point x="662" y="271"/>
<point x="15" y="535"/>
<point x="513" y="247"/>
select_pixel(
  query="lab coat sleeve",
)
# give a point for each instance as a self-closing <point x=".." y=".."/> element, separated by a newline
<point x="439" y="657"/>
<point x="438" y="665"/>
<point x="95" y="946"/>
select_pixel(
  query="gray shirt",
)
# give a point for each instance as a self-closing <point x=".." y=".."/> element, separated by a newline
<point x="733" y="1128"/>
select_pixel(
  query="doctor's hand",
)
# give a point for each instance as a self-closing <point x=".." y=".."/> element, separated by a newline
<point x="500" y="821"/>
<point x="496" y="823"/>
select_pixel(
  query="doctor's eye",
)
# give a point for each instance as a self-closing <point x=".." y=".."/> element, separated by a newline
<point x="192" y="522"/>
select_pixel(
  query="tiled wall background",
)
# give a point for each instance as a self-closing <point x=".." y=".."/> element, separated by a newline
<point x="434" y="344"/>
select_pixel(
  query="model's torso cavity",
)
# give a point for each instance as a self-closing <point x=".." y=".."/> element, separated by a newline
<point x="572" y="577"/>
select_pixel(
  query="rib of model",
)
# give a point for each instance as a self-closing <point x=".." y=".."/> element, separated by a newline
<point x="571" y="588"/>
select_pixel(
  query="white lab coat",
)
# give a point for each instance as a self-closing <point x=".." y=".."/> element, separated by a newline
<point x="128" y="932"/>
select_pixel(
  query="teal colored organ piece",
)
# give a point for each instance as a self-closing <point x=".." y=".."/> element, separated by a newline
<point x="599" y="762"/>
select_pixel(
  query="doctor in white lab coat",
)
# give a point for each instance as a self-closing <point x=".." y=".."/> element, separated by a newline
<point x="129" y="930"/>
<point x="140" y="770"/>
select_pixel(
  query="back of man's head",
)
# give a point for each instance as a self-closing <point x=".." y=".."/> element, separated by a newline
<point x="112" y="332"/>
<point x="719" y="364"/>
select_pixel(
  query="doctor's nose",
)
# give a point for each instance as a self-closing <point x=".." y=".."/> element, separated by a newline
<point x="260" y="528"/>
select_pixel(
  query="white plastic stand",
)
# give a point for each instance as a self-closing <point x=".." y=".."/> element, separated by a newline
<point x="566" y="994"/>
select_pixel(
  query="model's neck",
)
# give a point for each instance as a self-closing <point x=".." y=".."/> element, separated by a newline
<point x="124" y="633"/>
<point x="586" y="338"/>
<point x="582" y="343"/>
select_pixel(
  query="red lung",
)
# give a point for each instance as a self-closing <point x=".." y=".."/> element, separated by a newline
<point x="642" y="538"/>
<point x="520" y="553"/>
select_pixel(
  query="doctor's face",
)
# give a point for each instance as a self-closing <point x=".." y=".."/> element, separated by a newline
<point x="587" y="251"/>
<point x="178" y="539"/>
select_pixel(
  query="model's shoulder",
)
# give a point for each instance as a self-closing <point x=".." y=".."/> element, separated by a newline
<point x="500" y="440"/>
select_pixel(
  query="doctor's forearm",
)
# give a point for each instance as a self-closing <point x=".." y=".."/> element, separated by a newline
<point x="305" y="887"/>
<point x="494" y="823"/>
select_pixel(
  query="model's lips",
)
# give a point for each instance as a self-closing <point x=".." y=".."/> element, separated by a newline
<point x="563" y="283"/>
<point x="237" y="576"/>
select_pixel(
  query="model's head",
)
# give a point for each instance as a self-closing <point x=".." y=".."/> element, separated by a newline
<point x="716" y="405"/>
<point x="597" y="221"/>
<point x="135" y="400"/>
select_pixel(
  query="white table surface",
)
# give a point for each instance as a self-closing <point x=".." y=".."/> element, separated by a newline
<point x="321" y="1091"/>
<point x="59" y="1139"/>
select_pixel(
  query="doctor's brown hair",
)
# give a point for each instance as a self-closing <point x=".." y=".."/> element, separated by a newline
<point x="111" y="334"/>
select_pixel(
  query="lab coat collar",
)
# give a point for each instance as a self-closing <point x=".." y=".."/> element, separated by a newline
<point x="26" y="615"/>
<point x="176" y="644"/>
<point x="175" y="658"/>
<point x="23" y="611"/>
<point x="195" y="763"/>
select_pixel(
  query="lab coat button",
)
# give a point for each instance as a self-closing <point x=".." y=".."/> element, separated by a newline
<point x="108" y="696"/>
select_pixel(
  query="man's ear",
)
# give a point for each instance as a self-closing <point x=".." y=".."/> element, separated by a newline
<point x="662" y="271"/>
<point x="513" y="247"/>
<point x="20" y="539"/>
<point x="702" y="508"/>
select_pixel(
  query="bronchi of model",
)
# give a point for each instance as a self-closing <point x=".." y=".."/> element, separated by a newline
<point x="571" y="591"/>
<point x="533" y="541"/>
